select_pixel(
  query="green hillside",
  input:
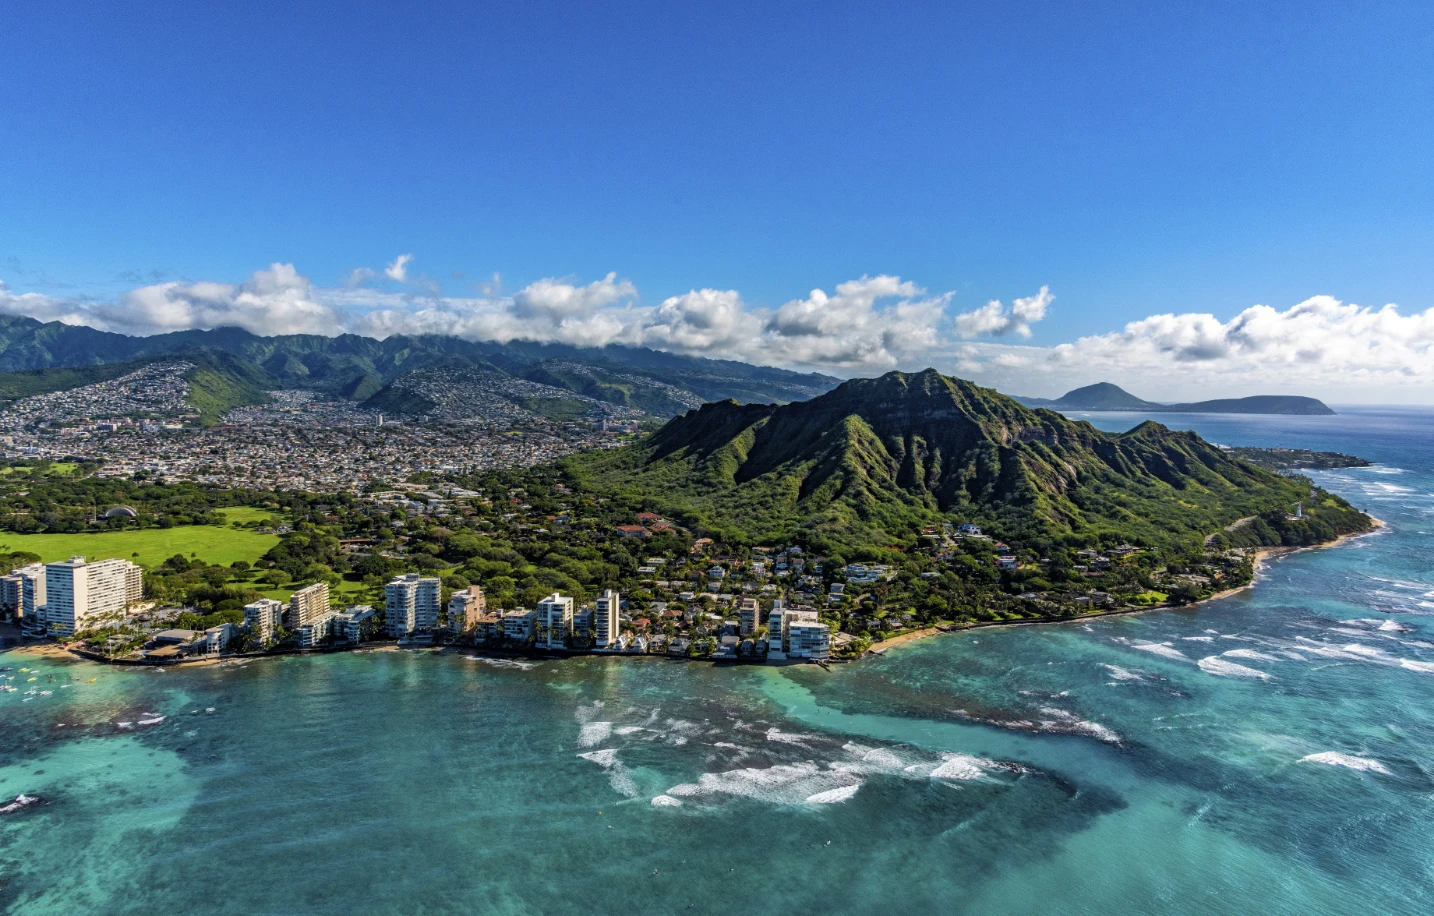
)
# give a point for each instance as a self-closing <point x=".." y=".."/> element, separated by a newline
<point x="219" y="382"/>
<point x="358" y="367"/>
<point x="875" y="460"/>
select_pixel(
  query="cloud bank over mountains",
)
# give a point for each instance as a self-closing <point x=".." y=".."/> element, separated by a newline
<point x="862" y="326"/>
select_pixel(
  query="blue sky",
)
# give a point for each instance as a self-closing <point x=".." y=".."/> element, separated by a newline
<point x="1135" y="159"/>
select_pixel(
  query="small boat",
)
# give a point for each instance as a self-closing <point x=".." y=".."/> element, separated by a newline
<point x="91" y="680"/>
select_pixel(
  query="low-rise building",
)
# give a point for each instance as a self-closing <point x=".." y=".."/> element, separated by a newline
<point x="354" y="624"/>
<point x="518" y="626"/>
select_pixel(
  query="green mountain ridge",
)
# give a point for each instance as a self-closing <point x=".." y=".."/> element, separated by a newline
<point x="357" y="367"/>
<point x="1106" y="396"/>
<point x="873" y="461"/>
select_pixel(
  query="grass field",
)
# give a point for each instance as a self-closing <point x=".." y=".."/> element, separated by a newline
<point x="58" y="469"/>
<point x="339" y="597"/>
<point x="246" y="514"/>
<point x="148" y="547"/>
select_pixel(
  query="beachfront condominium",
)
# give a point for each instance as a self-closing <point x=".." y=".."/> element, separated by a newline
<point x="555" y="620"/>
<point x="605" y="619"/>
<point x="464" y="609"/>
<point x="23" y="591"/>
<point x="263" y="617"/>
<point x="776" y="649"/>
<point x="308" y="605"/>
<point x="806" y="636"/>
<point x="410" y="603"/>
<point x="77" y="592"/>
<point x="749" y="616"/>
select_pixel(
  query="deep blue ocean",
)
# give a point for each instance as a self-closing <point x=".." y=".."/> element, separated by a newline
<point x="1272" y="752"/>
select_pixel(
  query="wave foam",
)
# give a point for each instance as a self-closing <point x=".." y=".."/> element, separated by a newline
<point x="1250" y="654"/>
<point x="618" y="775"/>
<point x="594" y="733"/>
<point x="1350" y="761"/>
<point x="1163" y="649"/>
<point x="833" y="796"/>
<point x="1121" y="674"/>
<point x="1216" y="665"/>
<point x="665" y="801"/>
<point x="959" y="766"/>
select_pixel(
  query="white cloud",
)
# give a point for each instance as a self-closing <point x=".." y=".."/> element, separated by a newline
<point x="276" y="300"/>
<point x="993" y="318"/>
<point x="1321" y="347"/>
<point x="398" y="268"/>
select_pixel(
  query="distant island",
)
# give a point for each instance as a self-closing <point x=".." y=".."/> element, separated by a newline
<point x="1105" y="396"/>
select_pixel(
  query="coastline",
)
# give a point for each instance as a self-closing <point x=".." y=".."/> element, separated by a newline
<point x="1262" y="556"/>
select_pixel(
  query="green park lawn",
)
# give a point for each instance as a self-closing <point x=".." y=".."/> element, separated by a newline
<point x="246" y="514"/>
<point x="149" y="546"/>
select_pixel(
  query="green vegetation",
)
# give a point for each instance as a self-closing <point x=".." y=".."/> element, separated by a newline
<point x="869" y="465"/>
<point x="15" y="385"/>
<point x="146" y="546"/>
<point x="1295" y="459"/>
<point x="219" y="382"/>
<point x="625" y="388"/>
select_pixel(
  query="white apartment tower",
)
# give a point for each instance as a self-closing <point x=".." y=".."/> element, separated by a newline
<point x="605" y="619"/>
<point x="77" y="591"/>
<point x="23" y="590"/>
<point x="776" y="649"/>
<point x="263" y="617"/>
<point x="555" y="616"/>
<point x="308" y="605"/>
<point x="464" y="609"/>
<point x="411" y="603"/>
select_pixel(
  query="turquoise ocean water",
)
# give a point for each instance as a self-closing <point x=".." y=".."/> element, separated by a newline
<point x="1272" y="752"/>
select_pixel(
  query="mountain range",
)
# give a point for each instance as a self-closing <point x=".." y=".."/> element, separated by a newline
<point x="53" y="356"/>
<point x="873" y="461"/>
<point x="1105" y="396"/>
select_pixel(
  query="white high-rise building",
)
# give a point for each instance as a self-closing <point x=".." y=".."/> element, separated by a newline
<point x="427" y="602"/>
<point x="464" y="609"/>
<point x="605" y="619"/>
<point x="77" y="592"/>
<point x="555" y="617"/>
<point x="263" y="617"/>
<point x="308" y="604"/>
<point x="26" y="584"/>
<point x="776" y="649"/>
<point x="410" y="604"/>
<point x="398" y="599"/>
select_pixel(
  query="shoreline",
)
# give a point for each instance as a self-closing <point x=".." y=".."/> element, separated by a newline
<point x="1263" y="555"/>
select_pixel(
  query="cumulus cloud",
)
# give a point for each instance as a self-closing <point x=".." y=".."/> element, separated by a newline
<point x="993" y="318"/>
<point x="398" y="268"/>
<point x="276" y="300"/>
<point x="1322" y="346"/>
